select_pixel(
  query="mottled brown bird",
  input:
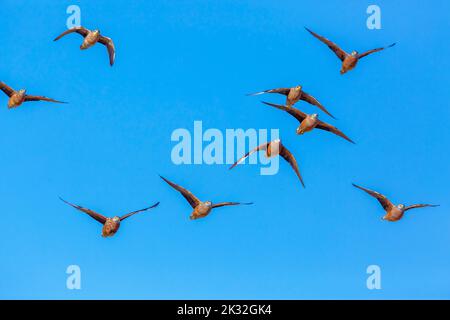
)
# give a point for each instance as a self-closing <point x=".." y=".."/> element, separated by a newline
<point x="393" y="212"/>
<point x="349" y="61"/>
<point x="295" y="94"/>
<point x="90" y="39"/>
<point x="273" y="149"/>
<point x="16" y="98"/>
<point x="201" y="208"/>
<point x="110" y="225"/>
<point x="308" y="122"/>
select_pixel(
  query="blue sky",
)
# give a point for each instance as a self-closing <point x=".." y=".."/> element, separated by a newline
<point x="183" y="61"/>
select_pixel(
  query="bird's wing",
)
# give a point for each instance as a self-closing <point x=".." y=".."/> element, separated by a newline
<point x="93" y="214"/>
<point x="310" y="99"/>
<point x="110" y="46"/>
<point x="258" y="148"/>
<point x="414" y="206"/>
<point x="137" y="211"/>
<point x="223" y="204"/>
<point x="362" y="55"/>
<point x="6" y="89"/>
<point x="341" y="54"/>
<point x="41" y="98"/>
<point x="289" y="157"/>
<point x="328" y="127"/>
<point x="193" y="200"/>
<point x="284" y="91"/>
<point x="387" y="205"/>
<point x="299" y="115"/>
<point x="80" y="30"/>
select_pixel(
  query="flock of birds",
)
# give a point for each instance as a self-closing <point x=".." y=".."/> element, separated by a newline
<point x="307" y="122"/>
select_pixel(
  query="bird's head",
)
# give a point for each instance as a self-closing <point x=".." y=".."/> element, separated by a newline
<point x="116" y="219"/>
<point x="314" y="116"/>
<point x="298" y="88"/>
<point x="96" y="31"/>
<point x="208" y="204"/>
<point x="276" y="141"/>
<point x="354" y="53"/>
<point x="22" y="91"/>
<point x="401" y="206"/>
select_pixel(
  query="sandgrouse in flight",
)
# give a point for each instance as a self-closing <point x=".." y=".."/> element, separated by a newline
<point x="201" y="208"/>
<point x="110" y="225"/>
<point x="393" y="212"/>
<point x="90" y="39"/>
<point x="349" y="61"/>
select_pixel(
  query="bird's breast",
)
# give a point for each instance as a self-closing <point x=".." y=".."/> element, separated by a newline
<point x="110" y="228"/>
<point x="15" y="100"/>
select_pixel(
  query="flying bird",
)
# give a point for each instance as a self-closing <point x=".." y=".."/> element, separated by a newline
<point x="295" y="94"/>
<point x="16" y="98"/>
<point x="349" y="61"/>
<point x="393" y="212"/>
<point x="273" y="149"/>
<point x="309" y="122"/>
<point x="201" y="208"/>
<point x="110" y="225"/>
<point x="90" y="39"/>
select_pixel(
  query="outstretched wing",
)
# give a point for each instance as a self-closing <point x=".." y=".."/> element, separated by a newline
<point x="362" y="55"/>
<point x="415" y="206"/>
<point x="224" y="204"/>
<point x="41" y="98"/>
<point x="289" y="157"/>
<point x="300" y="116"/>
<point x="110" y="46"/>
<point x="284" y="91"/>
<point x="137" y="211"/>
<point x="258" y="148"/>
<point x="341" y="54"/>
<point x="328" y="127"/>
<point x="193" y="200"/>
<point x="93" y="214"/>
<point x="387" y="205"/>
<point x="310" y="99"/>
<point x="6" y="89"/>
<point x="80" y="30"/>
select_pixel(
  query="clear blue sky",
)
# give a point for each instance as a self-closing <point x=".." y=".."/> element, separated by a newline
<point x="195" y="60"/>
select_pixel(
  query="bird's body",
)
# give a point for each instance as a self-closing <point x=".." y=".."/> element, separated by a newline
<point x="393" y="212"/>
<point x="201" y="209"/>
<point x="294" y="95"/>
<point x="110" y="225"/>
<point x="349" y="61"/>
<point x="308" y="124"/>
<point x="18" y="97"/>
<point x="91" y="37"/>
